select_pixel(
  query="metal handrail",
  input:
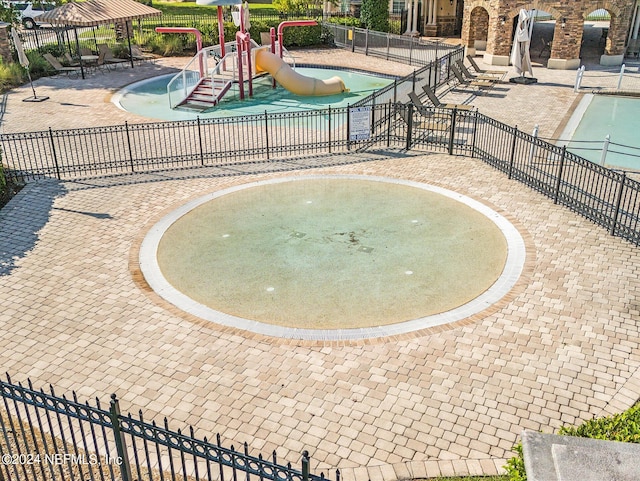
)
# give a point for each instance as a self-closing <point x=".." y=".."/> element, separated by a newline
<point x="200" y="61"/>
<point x="197" y="65"/>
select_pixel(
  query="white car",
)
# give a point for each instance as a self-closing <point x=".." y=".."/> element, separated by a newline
<point x="27" y="11"/>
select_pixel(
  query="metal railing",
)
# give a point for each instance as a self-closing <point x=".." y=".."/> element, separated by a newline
<point x="607" y="197"/>
<point x="49" y="437"/>
<point x="619" y="80"/>
<point x="411" y="50"/>
<point x="433" y="75"/>
<point x="347" y="19"/>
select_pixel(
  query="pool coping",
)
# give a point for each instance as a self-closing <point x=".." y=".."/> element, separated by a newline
<point x="512" y="271"/>
<point x="116" y="97"/>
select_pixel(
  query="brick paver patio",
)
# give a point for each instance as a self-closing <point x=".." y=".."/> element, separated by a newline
<point x="562" y="347"/>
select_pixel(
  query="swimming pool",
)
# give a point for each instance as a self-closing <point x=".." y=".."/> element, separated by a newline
<point x="148" y="98"/>
<point x="598" y="116"/>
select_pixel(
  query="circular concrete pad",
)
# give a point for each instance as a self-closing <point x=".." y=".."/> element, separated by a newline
<point x="332" y="257"/>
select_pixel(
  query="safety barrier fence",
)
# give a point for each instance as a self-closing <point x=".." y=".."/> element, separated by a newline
<point x="207" y="23"/>
<point x="49" y="437"/>
<point x="619" y="80"/>
<point x="607" y="197"/>
<point x="76" y="153"/>
<point x="406" y="49"/>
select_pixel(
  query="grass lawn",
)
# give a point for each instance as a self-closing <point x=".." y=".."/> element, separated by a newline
<point x="190" y="8"/>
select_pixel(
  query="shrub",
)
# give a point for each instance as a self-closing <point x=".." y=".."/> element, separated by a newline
<point x="623" y="427"/>
<point x="515" y="465"/>
<point x="57" y="50"/>
<point x="346" y="21"/>
<point x="293" y="37"/>
<point x="303" y="36"/>
<point x="173" y="45"/>
<point x="11" y="75"/>
<point x="120" y="50"/>
<point x="374" y="14"/>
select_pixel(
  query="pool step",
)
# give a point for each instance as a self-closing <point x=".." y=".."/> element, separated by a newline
<point x="207" y="94"/>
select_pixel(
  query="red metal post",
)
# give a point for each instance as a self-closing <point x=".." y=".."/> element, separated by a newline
<point x="239" y="38"/>
<point x="292" y="23"/>
<point x="194" y="31"/>
<point x="221" y="30"/>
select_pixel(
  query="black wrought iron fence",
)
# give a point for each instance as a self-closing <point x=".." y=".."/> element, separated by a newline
<point x="411" y="50"/>
<point x="433" y="75"/>
<point x="607" y="197"/>
<point x="46" y="437"/>
<point x="134" y="148"/>
<point x="396" y="20"/>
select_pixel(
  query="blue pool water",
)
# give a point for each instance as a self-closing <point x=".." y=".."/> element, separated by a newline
<point x="148" y="98"/>
<point x="602" y="115"/>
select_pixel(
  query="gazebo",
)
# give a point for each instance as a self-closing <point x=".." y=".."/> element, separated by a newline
<point x="92" y="13"/>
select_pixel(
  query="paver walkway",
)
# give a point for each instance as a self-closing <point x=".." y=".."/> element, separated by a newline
<point x="563" y="347"/>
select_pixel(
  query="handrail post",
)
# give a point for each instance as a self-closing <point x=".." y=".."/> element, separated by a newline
<point x="410" y="50"/>
<point x="121" y="445"/>
<point x="305" y="465"/>
<point x="348" y="127"/>
<point x="605" y="149"/>
<point x="513" y="151"/>
<point x="353" y="39"/>
<point x="388" y="115"/>
<point x="578" y="83"/>
<point x="475" y="131"/>
<point x="621" y="76"/>
<point x="452" y="130"/>
<point x="329" y="120"/>
<point x="409" y="127"/>
<point x="126" y="128"/>
<point x="532" y="150"/>
<point x="366" y="42"/>
<point x="559" y="179"/>
<point x="184" y="84"/>
<point x="55" y="155"/>
<point x="616" y="212"/>
<point x="373" y="116"/>
<point x="266" y="131"/>
<point x="388" y="46"/>
<point x="200" y="142"/>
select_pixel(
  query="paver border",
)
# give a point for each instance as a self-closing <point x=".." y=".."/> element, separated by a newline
<point x="518" y="269"/>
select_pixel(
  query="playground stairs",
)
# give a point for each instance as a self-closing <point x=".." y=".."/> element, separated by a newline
<point x="207" y="93"/>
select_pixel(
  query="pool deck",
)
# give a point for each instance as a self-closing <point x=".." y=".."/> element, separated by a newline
<point x="561" y="347"/>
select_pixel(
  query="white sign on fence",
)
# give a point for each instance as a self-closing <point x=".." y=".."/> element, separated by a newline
<point x="359" y="123"/>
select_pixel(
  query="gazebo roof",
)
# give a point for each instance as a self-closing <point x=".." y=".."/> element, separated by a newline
<point x="97" y="12"/>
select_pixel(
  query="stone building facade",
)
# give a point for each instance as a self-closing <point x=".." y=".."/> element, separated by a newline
<point x="487" y="24"/>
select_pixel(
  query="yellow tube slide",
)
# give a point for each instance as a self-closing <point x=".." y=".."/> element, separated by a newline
<point x="292" y="80"/>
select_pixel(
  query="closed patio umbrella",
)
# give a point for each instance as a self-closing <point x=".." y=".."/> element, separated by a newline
<point x="24" y="61"/>
<point x="520" y="57"/>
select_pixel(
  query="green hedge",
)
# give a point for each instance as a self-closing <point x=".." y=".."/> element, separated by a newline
<point x="178" y="44"/>
<point x="623" y="427"/>
<point x="293" y="36"/>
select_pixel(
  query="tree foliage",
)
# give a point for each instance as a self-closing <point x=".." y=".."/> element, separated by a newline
<point x="374" y="15"/>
